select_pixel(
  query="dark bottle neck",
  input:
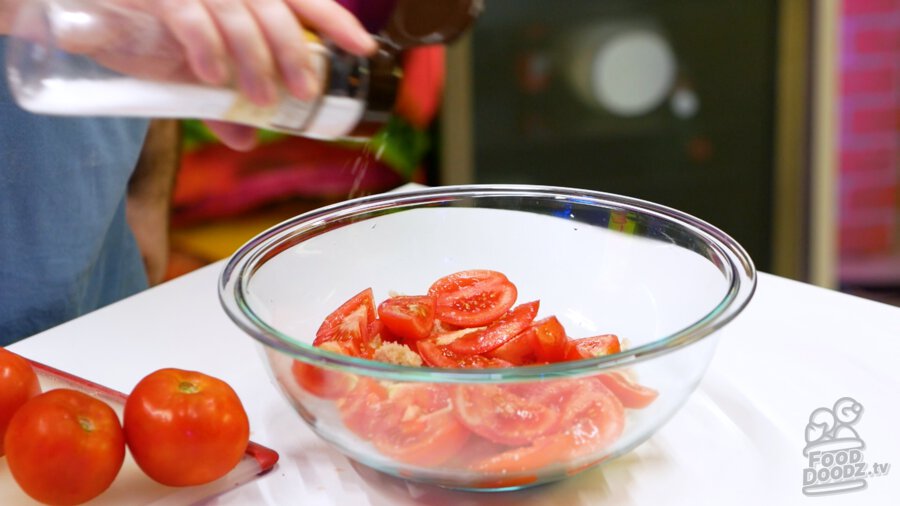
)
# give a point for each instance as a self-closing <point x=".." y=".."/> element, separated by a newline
<point x="382" y="77"/>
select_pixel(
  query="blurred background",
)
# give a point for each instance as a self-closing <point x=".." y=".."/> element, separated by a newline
<point x="775" y="120"/>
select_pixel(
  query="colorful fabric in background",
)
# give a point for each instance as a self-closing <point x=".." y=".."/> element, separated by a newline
<point x="215" y="182"/>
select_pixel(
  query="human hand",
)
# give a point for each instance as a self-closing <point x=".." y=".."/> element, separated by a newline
<point x="259" y="43"/>
<point x="262" y="42"/>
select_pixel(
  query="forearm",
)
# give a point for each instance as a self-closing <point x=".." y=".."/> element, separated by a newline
<point x="154" y="176"/>
<point x="8" y="10"/>
<point x="149" y="200"/>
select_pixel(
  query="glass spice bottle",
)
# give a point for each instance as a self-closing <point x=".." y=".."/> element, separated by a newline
<point x="98" y="58"/>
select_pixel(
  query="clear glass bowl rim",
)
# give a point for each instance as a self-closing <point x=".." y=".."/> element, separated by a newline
<point x="738" y="268"/>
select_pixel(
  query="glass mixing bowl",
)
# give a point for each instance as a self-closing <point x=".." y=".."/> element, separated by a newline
<point x="664" y="282"/>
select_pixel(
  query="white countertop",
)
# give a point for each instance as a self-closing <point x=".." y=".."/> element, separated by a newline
<point x="738" y="440"/>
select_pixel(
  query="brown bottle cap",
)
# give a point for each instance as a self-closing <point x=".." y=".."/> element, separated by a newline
<point x="424" y="22"/>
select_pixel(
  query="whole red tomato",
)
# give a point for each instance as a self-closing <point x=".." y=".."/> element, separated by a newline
<point x="18" y="383"/>
<point x="64" y="447"/>
<point x="184" y="427"/>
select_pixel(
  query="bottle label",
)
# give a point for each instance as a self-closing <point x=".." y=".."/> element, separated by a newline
<point x="288" y="114"/>
<point x="338" y="117"/>
<point x="292" y="114"/>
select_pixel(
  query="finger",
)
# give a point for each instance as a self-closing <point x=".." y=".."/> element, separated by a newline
<point x="237" y="137"/>
<point x="328" y="18"/>
<point x="286" y="39"/>
<point x="193" y="28"/>
<point x="256" y="76"/>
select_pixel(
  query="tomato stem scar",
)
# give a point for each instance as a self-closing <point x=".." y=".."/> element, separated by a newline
<point x="188" y="387"/>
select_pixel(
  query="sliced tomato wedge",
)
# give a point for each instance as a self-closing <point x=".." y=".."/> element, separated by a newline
<point x="630" y="393"/>
<point x="428" y="440"/>
<point x="550" y="340"/>
<point x="520" y="350"/>
<point x="472" y="298"/>
<point x="506" y="414"/>
<point x="437" y="355"/>
<point x="594" y="346"/>
<point x="498" y="332"/>
<point x="441" y="329"/>
<point x="322" y="382"/>
<point x="377" y="333"/>
<point x="348" y="324"/>
<point x="408" y="316"/>
<point x="545" y="342"/>
<point x="419" y="427"/>
<point x="596" y="429"/>
<point x="589" y="433"/>
<point x="362" y="408"/>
